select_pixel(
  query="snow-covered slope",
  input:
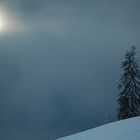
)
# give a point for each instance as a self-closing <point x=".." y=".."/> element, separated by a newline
<point x="128" y="129"/>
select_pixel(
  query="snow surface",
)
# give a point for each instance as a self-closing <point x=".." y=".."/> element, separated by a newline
<point x="128" y="129"/>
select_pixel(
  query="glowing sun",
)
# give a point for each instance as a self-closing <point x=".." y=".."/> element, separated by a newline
<point x="2" y="23"/>
<point x="10" y="22"/>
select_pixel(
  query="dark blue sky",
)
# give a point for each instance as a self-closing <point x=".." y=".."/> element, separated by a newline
<point x="59" y="74"/>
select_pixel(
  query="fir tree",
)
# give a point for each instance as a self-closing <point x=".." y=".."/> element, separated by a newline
<point x="129" y="97"/>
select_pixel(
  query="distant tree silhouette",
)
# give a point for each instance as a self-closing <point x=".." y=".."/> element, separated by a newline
<point x="109" y="118"/>
<point x="129" y="86"/>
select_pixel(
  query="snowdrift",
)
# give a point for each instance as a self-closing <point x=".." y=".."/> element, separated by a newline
<point x="128" y="129"/>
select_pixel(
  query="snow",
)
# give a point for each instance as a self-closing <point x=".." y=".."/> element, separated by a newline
<point x="128" y="129"/>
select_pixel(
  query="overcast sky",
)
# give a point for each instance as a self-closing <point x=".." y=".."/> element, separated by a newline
<point x="59" y="73"/>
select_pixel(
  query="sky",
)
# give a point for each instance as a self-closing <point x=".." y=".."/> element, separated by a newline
<point x="60" y="64"/>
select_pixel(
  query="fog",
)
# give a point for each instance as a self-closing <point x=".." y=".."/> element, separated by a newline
<point x="59" y="75"/>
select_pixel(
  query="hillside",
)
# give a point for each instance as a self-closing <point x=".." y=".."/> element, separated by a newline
<point x="128" y="129"/>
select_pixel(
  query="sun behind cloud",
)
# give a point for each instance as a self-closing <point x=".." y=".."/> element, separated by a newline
<point x="2" y="23"/>
<point x="10" y="21"/>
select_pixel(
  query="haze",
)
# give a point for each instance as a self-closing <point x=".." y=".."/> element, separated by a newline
<point x="59" y="73"/>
